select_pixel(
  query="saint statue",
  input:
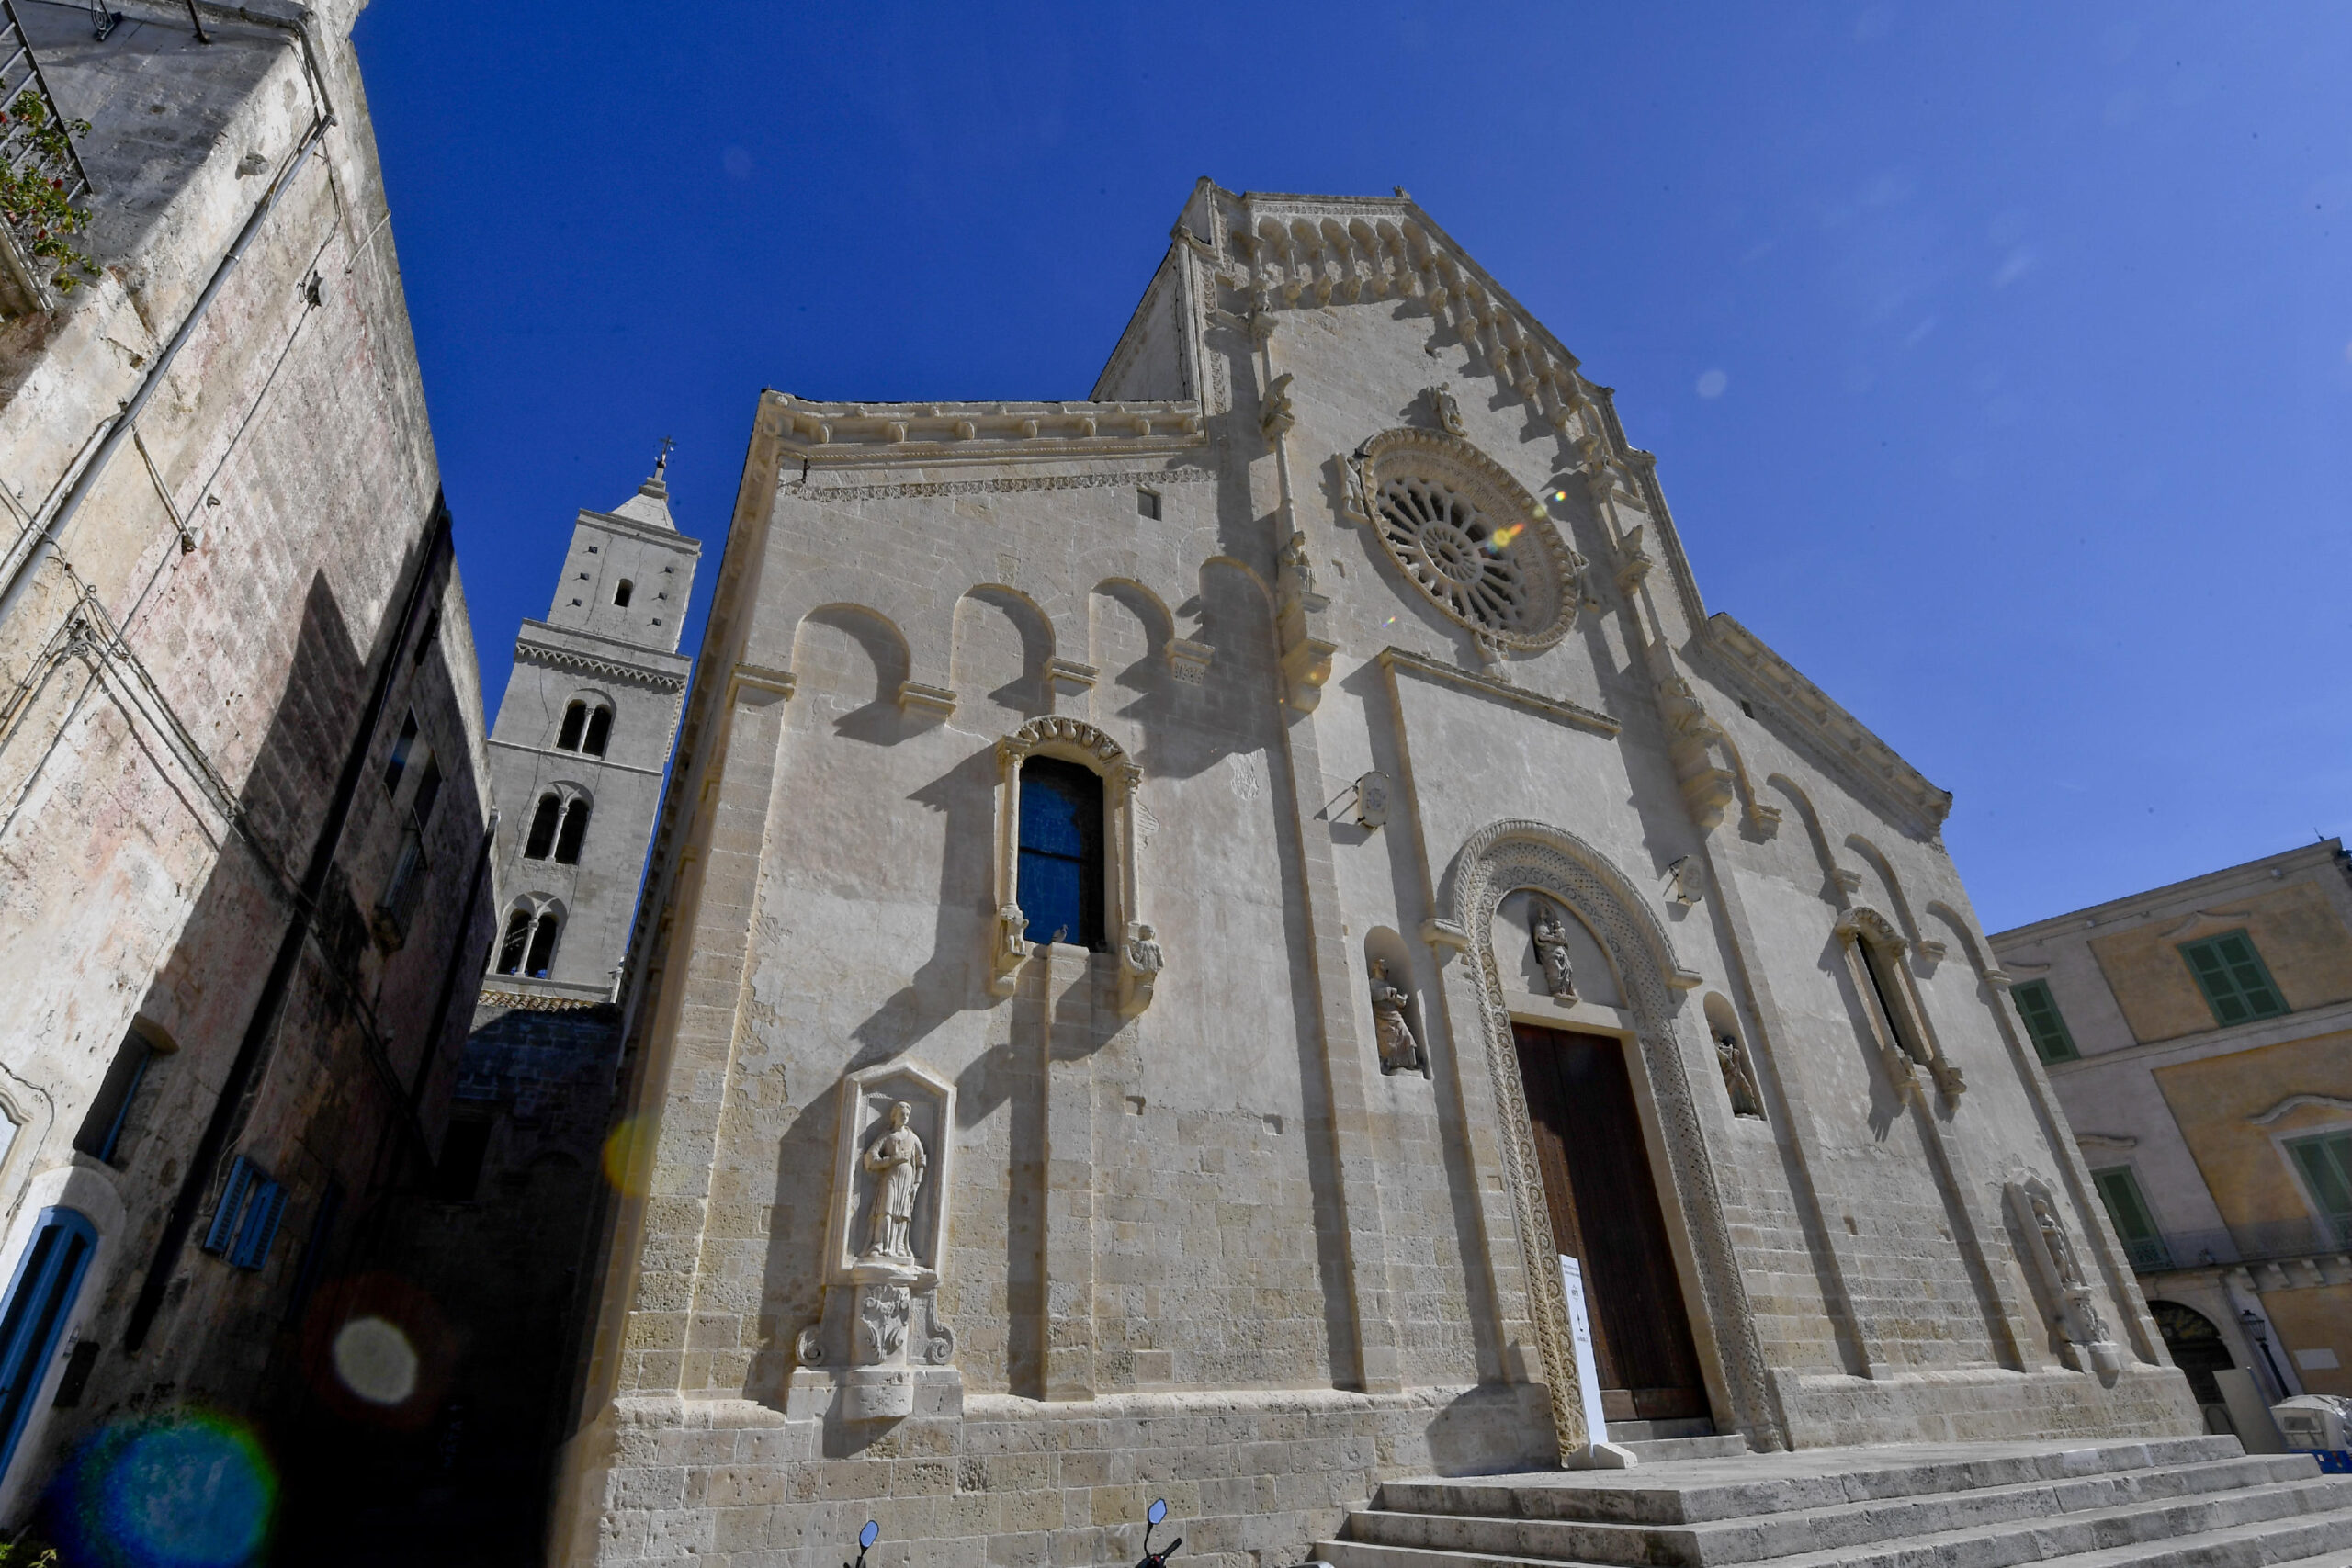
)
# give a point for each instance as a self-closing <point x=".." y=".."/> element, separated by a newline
<point x="1298" y="570"/>
<point x="1551" y="949"/>
<point x="2053" y="1237"/>
<point x="1738" y="1081"/>
<point x="1399" y="1052"/>
<point x="896" y="1160"/>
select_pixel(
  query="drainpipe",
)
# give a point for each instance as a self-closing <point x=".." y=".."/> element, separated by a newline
<point x="227" y="1105"/>
<point x="21" y="579"/>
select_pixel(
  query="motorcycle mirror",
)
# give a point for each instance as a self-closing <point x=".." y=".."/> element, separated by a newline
<point x="871" y="1533"/>
<point x="1159" y="1510"/>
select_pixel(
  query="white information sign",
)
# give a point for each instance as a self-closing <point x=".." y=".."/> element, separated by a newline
<point x="1596" y="1426"/>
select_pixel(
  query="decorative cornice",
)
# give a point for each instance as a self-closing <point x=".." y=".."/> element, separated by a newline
<point x="529" y="653"/>
<point x="1556" y="708"/>
<point x="528" y="1001"/>
<point x="834" y="433"/>
<point x="1842" y="739"/>
<point x="978" y="487"/>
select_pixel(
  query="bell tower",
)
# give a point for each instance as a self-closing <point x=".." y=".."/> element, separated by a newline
<point x="580" y="750"/>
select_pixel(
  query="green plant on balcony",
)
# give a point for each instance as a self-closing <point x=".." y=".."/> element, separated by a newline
<point x="37" y="196"/>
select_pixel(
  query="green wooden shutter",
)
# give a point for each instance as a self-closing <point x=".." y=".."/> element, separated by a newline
<point x="2120" y="1190"/>
<point x="2040" y="1010"/>
<point x="2231" y="974"/>
<point x="2327" y="1164"/>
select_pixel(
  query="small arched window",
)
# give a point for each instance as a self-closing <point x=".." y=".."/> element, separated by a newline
<point x="1061" y="852"/>
<point x="543" y="825"/>
<point x="575" y="828"/>
<point x="515" y="943"/>
<point x="542" y="956"/>
<point x="620" y="595"/>
<point x="39" y="1301"/>
<point x="600" y="733"/>
<point x="568" y="738"/>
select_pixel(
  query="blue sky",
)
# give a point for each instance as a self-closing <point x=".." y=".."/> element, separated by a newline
<point x="1998" y="357"/>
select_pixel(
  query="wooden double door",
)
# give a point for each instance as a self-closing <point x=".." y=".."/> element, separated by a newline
<point x="1605" y="1214"/>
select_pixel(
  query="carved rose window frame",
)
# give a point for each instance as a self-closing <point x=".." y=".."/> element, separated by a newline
<point x="1892" y="1005"/>
<point x="1544" y="566"/>
<point x="1075" y="741"/>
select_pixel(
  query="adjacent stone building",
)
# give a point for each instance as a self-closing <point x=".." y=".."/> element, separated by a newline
<point x="2199" y="1036"/>
<point x="244" y="799"/>
<point x="1180" y="911"/>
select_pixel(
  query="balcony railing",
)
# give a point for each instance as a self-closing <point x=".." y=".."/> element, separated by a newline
<point x="44" y="190"/>
<point x="2267" y="1242"/>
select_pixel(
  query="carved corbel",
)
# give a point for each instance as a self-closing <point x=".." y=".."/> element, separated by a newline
<point x="1188" y="661"/>
<point x="1633" y="562"/>
<point x="1139" y="962"/>
<point x="1277" y="416"/>
<point x="1299" y="619"/>
<point x="1691" y="735"/>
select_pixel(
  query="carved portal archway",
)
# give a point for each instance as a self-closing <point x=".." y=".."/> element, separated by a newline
<point x="1495" y="861"/>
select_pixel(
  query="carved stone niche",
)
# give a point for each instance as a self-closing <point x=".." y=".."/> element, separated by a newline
<point x="880" y="1351"/>
<point x="1543" y="949"/>
<point x="2059" y="1278"/>
<point x="1134" y="942"/>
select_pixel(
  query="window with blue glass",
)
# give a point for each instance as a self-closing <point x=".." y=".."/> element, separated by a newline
<point x="40" y="1300"/>
<point x="1061" y="852"/>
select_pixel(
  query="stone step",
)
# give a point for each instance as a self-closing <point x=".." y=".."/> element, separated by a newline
<point x="1672" y="1450"/>
<point x="2274" y="1530"/>
<point x="1660" y="1430"/>
<point x="1768" y="1535"/>
<point x="1747" y="1485"/>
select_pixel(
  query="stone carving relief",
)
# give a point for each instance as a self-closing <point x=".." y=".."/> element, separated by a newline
<point x="870" y="1352"/>
<point x="1392" y="1033"/>
<point x="2085" y="1342"/>
<point x="1445" y="407"/>
<point x="1515" y="854"/>
<point x="1550" y="939"/>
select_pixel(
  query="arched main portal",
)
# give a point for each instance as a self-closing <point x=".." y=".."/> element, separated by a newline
<point x="2197" y="1347"/>
<point x="1556" y="864"/>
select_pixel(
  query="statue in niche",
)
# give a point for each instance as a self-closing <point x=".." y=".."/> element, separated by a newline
<point x="1399" y="1052"/>
<point x="1739" y="1081"/>
<point x="896" y="1159"/>
<point x="1143" y="951"/>
<point x="2054" y="1236"/>
<point x="1552" y="951"/>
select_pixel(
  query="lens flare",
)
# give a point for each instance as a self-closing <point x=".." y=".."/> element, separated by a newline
<point x="374" y="1360"/>
<point x="1501" y="537"/>
<point x="629" y="1158"/>
<point x="191" y="1490"/>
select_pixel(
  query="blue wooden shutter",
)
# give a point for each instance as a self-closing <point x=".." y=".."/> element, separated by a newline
<point x="260" y="1226"/>
<point x="40" y="1300"/>
<point x="223" y="1229"/>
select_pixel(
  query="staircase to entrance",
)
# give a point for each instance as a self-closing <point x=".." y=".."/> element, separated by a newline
<point x="2174" y="1503"/>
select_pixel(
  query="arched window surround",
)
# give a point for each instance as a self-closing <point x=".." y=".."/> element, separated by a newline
<point x="586" y="726"/>
<point x="1893" y="1010"/>
<point x="1134" y="943"/>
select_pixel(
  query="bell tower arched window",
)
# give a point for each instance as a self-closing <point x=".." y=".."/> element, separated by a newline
<point x="575" y="717"/>
<point x="515" y="943"/>
<point x="575" y="829"/>
<point x="621" y="594"/>
<point x="600" y="733"/>
<point x="541" y="840"/>
<point x="542" y="954"/>
<point x="1061" y="890"/>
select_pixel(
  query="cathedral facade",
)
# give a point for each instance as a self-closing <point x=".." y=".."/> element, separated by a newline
<point x="1250" y="935"/>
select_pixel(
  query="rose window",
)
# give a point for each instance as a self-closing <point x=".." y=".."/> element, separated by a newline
<point x="1457" y="556"/>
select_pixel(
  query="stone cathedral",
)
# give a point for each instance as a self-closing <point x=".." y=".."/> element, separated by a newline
<point x="1251" y="936"/>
